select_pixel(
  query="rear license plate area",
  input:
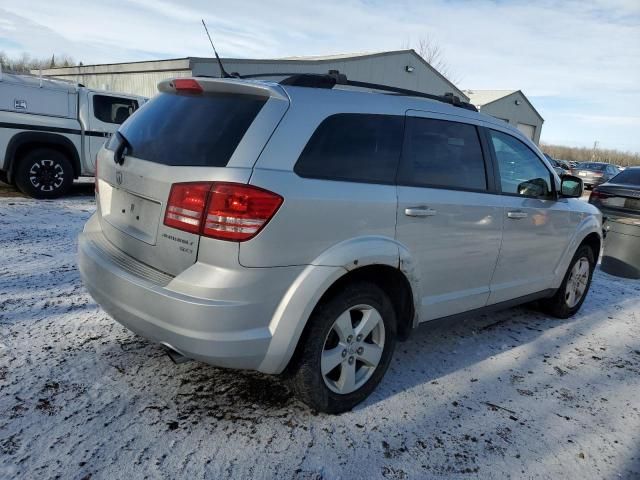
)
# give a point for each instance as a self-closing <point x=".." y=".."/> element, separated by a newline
<point x="131" y="214"/>
<point x="632" y="204"/>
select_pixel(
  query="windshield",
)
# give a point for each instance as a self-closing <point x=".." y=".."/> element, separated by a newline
<point x="189" y="130"/>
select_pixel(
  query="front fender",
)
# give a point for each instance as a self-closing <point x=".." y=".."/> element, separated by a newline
<point x="586" y="225"/>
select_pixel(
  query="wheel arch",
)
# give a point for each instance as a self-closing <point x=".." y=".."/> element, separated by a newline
<point x="340" y="265"/>
<point x="24" y="142"/>
<point x="391" y="280"/>
<point x="593" y="241"/>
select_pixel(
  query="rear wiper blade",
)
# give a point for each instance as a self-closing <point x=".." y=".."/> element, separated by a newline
<point x="124" y="148"/>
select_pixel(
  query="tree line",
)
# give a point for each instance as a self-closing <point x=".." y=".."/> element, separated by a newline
<point x="585" y="154"/>
<point x="25" y="63"/>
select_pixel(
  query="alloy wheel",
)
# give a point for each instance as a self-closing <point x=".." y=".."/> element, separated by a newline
<point x="353" y="349"/>
<point x="577" y="282"/>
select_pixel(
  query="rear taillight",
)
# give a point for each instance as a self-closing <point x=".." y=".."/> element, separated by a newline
<point x="186" y="205"/>
<point x="238" y="212"/>
<point x="227" y="211"/>
<point x="598" y="195"/>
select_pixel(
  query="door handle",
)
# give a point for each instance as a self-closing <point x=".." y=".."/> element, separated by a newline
<point x="419" y="212"/>
<point x="517" y="214"/>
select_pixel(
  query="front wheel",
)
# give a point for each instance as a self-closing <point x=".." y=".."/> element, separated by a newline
<point x="44" y="173"/>
<point x="346" y="350"/>
<point x="569" y="297"/>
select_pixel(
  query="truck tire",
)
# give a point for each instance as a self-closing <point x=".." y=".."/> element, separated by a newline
<point x="346" y="350"/>
<point x="574" y="288"/>
<point x="44" y="173"/>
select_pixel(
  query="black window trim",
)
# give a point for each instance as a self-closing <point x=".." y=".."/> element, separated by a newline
<point x="351" y="180"/>
<point x="95" y="95"/>
<point x="496" y="168"/>
<point x="488" y="164"/>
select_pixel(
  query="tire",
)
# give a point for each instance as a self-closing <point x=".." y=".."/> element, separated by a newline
<point x="328" y="331"/>
<point x="44" y="173"/>
<point x="562" y="304"/>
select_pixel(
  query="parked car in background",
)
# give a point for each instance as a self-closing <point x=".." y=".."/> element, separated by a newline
<point x="620" y="196"/>
<point x="595" y="173"/>
<point x="296" y="228"/>
<point x="51" y="131"/>
<point x="619" y="201"/>
<point x="559" y="166"/>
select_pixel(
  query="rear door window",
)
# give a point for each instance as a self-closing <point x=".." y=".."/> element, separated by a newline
<point x="353" y="147"/>
<point x="189" y="130"/>
<point x="442" y="154"/>
<point x="110" y="109"/>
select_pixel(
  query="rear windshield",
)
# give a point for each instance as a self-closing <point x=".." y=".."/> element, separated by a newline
<point x="592" y="166"/>
<point x="189" y="130"/>
<point x="627" y="177"/>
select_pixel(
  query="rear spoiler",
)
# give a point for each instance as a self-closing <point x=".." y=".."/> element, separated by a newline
<point x="227" y="85"/>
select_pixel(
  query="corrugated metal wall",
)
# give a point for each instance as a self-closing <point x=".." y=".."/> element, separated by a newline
<point x="386" y="69"/>
<point x="140" y="83"/>
<point x="141" y="78"/>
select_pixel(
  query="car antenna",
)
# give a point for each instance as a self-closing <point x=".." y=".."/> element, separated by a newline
<point x="223" y="72"/>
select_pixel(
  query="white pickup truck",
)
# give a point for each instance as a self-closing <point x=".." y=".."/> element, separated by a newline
<point x="51" y="131"/>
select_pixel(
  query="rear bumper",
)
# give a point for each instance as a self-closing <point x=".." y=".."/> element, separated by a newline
<point x="226" y="333"/>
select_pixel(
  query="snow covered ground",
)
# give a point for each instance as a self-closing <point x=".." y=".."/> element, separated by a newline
<point x="510" y="395"/>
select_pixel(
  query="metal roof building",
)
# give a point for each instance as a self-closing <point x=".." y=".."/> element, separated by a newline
<point x="400" y="68"/>
<point x="512" y="106"/>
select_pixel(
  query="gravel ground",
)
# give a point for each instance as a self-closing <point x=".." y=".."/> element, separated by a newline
<point x="510" y="395"/>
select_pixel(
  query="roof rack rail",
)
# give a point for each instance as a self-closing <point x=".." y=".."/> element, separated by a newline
<point x="334" y="77"/>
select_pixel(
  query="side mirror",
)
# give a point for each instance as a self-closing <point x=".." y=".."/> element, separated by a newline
<point x="535" y="187"/>
<point x="570" y="186"/>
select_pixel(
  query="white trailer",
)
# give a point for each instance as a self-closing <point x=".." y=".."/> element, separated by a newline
<point x="51" y="131"/>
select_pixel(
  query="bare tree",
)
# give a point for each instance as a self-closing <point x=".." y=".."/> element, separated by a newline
<point x="586" y="154"/>
<point x="25" y="62"/>
<point x="434" y="55"/>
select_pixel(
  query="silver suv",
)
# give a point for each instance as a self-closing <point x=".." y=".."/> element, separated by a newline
<point x="302" y="227"/>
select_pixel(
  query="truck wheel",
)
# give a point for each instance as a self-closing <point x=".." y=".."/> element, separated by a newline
<point x="347" y="349"/>
<point x="44" y="173"/>
<point x="574" y="288"/>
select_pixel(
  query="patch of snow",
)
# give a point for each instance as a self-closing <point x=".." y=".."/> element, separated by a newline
<point x="513" y="394"/>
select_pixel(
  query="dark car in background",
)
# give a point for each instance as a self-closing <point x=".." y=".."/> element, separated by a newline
<point x="620" y="196"/>
<point x="560" y="166"/>
<point x="619" y="201"/>
<point x="595" y="173"/>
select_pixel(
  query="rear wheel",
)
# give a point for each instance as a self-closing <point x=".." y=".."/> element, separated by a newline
<point x="44" y="173"/>
<point x="569" y="297"/>
<point x="347" y="349"/>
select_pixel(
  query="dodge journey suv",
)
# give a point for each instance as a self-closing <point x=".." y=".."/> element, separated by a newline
<point x="303" y="227"/>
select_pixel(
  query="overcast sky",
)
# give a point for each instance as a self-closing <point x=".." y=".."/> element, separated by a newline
<point x="577" y="61"/>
